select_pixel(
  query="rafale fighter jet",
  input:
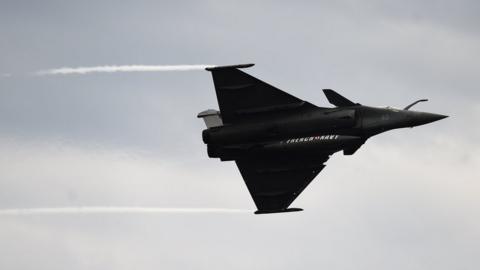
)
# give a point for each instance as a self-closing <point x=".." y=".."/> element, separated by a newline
<point x="280" y="142"/>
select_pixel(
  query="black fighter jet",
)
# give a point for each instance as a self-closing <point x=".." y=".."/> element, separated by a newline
<point x="280" y="142"/>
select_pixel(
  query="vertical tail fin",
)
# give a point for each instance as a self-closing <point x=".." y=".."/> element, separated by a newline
<point x="211" y="117"/>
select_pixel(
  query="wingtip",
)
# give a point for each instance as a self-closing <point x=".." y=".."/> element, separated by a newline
<point x="229" y="66"/>
<point x="259" y="212"/>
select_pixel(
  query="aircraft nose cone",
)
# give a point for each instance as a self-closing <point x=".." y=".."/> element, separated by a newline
<point x="439" y="117"/>
<point x="425" y="118"/>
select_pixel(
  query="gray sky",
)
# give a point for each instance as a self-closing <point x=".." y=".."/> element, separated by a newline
<point x="408" y="199"/>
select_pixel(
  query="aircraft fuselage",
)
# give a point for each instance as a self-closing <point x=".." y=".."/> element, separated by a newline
<point x="309" y="131"/>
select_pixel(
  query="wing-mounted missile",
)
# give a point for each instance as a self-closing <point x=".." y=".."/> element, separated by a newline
<point x="338" y="100"/>
<point x="414" y="103"/>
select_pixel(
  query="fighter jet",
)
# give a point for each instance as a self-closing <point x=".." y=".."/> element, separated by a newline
<point x="279" y="142"/>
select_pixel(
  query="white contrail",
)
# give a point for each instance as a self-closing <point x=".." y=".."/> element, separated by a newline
<point x="112" y="210"/>
<point x="126" y="68"/>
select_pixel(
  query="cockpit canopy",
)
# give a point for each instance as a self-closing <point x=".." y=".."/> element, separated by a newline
<point x="393" y="109"/>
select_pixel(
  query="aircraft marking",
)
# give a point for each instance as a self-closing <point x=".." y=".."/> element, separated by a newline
<point x="313" y="138"/>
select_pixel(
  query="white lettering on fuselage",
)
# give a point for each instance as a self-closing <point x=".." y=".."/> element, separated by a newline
<point x="313" y="138"/>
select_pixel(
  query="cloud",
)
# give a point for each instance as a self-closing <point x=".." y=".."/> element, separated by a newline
<point x="123" y="68"/>
<point x="6" y="75"/>
<point x="398" y="196"/>
<point x="92" y="175"/>
<point x="113" y="210"/>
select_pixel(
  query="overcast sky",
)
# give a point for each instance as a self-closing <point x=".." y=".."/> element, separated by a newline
<point x="408" y="199"/>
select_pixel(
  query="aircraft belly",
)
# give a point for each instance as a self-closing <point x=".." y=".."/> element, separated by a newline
<point x="311" y="145"/>
<point x="314" y="143"/>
